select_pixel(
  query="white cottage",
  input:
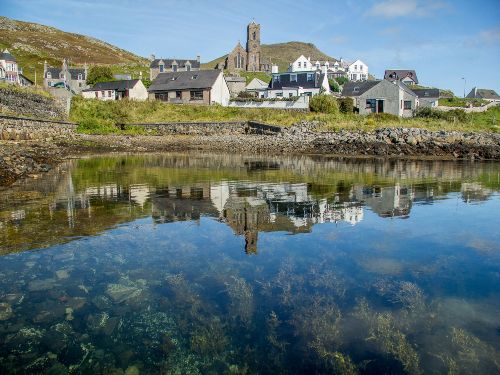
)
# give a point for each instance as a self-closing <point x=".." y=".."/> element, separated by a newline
<point x="115" y="90"/>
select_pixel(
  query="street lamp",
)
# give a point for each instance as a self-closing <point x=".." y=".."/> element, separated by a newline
<point x="465" y="83"/>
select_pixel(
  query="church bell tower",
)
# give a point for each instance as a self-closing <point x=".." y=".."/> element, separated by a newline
<point x="253" y="47"/>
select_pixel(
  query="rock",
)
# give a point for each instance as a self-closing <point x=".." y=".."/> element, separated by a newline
<point x="41" y="285"/>
<point x="62" y="274"/>
<point x="120" y="292"/>
<point x="69" y="314"/>
<point x="132" y="370"/>
<point x="5" y="311"/>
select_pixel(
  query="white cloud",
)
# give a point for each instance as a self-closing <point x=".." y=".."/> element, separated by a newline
<point x="404" y="8"/>
<point x="490" y="36"/>
<point x="339" y="39"/>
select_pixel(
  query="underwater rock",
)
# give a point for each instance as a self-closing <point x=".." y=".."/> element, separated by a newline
<point x="69" y="314"/>
<point x="101" y="302"/>
<point x="132" y="370"/>
<point x="62" y="274"/>
<point x="41" y="285"/>
<point x="14" y="298"/>
<point x="76" y="302"/>
<point x="25" y="340"/>
<point x="121" y="292"/>
<point x="5" y="311"/>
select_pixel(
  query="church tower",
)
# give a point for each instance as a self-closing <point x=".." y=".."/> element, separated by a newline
<point x="253" y="47"/>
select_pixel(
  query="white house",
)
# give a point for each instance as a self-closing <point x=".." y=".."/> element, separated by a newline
<point x="258" y="87"/>
<point x="302" y="64"/>
<point x="356" y="71"/>
<point x="188" y="87"/>
<point x="9" y="70"/>
<point x="115" y="90"/>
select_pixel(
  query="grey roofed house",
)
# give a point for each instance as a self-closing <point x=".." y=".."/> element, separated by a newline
<point x="427" y="93"/>
<point x="399" y="75"/>
<point x="181" y="63"/>
<point x="302" y="81"/>
<point x="483" y="94"/>
<point x="5" y="55"/>
<point x="74" y="72"/>
<point x="114" y="85"/>
<point x="201" y="79"/>
<point x="358" y="88"/>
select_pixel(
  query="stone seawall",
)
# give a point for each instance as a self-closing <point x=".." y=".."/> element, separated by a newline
<point x="21" y="129"/>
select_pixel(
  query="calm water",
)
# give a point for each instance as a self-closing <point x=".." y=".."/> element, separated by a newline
<point x="228" y="264"/>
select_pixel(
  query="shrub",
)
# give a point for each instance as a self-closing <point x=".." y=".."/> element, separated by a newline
<point x="451" y="116"/>
<point x="99" y="73"/>
<point x="334" y="86"/>
<point x="245" y="94"/>
<point x="341" y="80"/>
<point x="324" y="104"/>
<point x="346" y="105"/>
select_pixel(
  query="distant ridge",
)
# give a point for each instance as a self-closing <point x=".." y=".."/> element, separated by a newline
<point x="32" y="43"/>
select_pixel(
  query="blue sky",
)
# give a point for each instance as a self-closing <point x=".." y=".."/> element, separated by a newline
<point x="443" y="40"/>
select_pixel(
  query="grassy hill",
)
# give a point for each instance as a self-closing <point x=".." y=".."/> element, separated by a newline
<point x="32" y="43"/>
<point x="282" y="54"/>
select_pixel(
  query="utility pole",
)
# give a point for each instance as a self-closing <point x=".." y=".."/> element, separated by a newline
<point x="465" y="83"/>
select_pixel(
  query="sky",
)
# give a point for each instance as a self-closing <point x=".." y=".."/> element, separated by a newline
<point x="451" y="44"/>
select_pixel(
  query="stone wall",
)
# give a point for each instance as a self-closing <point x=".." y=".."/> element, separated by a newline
<point x="207" y="128"/>
<point x="30" y="104"/>
<point x="16" y="128"/>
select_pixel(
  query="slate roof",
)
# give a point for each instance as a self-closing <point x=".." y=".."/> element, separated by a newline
<point x="5" y="55"/>
<point x="301" y="81"/>
<point x="256" y="84"/>
<point x="426" y="93"/>
<point x="358" y="88"/>
<point x="483" y="94"/>
<point x="114" y="85"/>
<point x="181" y="63"/>
<point x="202" y="79"/>
<point x="72" y="71"/>
<point x="395" y="74"/>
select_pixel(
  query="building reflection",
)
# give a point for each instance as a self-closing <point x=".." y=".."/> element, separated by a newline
<point x="247" y="207"/>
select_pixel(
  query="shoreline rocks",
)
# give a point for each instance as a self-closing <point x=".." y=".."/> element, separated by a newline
<point x="20" y="159"/>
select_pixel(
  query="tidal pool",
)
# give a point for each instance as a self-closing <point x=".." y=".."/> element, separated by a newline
<point x="233" y="264"/>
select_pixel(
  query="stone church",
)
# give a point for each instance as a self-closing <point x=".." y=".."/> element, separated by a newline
<point x="248" y="59"/>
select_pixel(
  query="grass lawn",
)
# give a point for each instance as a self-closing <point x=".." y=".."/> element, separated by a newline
<point x="96" y="116"/>
<point x="461" y="102"/>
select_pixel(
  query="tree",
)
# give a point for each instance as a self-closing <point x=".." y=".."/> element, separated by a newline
<point x="99" y="73"/>
<point x="342" y="80"/>
<point x="334" y="86"/>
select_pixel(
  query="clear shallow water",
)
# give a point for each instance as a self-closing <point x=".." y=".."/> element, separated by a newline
<point x="227" y="264"/>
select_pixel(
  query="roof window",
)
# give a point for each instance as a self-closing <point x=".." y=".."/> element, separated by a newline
<point x="195" y="76"/>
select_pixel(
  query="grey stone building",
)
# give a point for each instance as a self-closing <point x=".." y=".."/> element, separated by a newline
<point x="485" y="94"/>
<point x="158" y="66"/>
<point x="73" y="79"/>
<point x="382" y="97"/>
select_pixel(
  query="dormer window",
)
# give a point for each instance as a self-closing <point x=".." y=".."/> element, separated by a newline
<point x="161" y="67"/>
<point x="426" y="94"/>
<point x="61" y="75"/>
<point x="356" y="89"/>
<point x="195" y="76"/>
<point x="49" y="75"/>
<point x="174" y="67"/>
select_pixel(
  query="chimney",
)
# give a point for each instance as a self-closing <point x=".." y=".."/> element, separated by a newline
<point x="198" y="58"/>
<point x="152" y="57"/>
<point x="323" y="69"/>
<point x="274" y="69"/>
<point x="45" y="68"/>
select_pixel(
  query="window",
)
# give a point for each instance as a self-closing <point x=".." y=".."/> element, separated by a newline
<point x="356" y="89"/>
<point x="162" y="67"/>
<point x="49" y="75"/>
<point x="305" y="64"/>
<point x="355" y="67"/>
<point x="407" y="104"/>
<point x="61" y="75"/>
<point x="79" y="84"/>
<point x="310" y="77"/>
<point x="254" y="35"/>
<point x="188" y="68"/>
<point x="110" y="93"/>
<point x="300" y="64"/>
<point x="276" y="78"/>
<point x="178" y="94"/>
<point x="293" y="77"/>
<point x="174" y="67"/>
<point x="195" y="76"/>
<point x="290" y="94"/>
<point x="161" y="96"/>
<point x="196" y="95"/>
<point x="103" y="94"/>
<point x="426" y="94"/>
<point x="80" y="76"/>
<point x="279" y="94"/>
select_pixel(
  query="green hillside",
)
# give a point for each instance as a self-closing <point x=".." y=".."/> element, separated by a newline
<point x="32" y="43"/>
<point x="282" y="54"/>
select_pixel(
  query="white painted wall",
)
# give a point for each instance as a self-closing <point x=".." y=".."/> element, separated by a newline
<point x="138" y="92"/>
<point x="302" y="64"/>
<point x="220" y="91"/>
<point x="300" y="103"/>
